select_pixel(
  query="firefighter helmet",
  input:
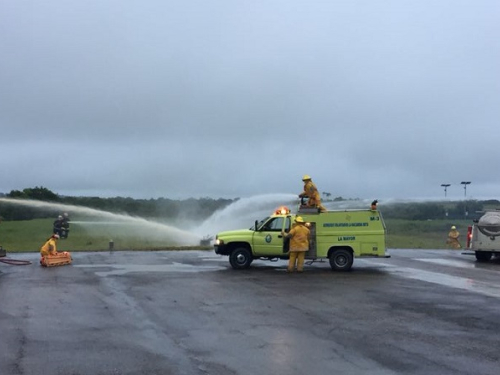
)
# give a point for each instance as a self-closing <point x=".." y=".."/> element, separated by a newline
<point x="453" y="227"/>
<point x="306" y="177"/>
<point x="299" y="219"/>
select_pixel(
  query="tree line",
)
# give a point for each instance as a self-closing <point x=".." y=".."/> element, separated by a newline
<point x="187" y="209"/>
<point x="459" y="210"/>
<point x="202" y="208"/>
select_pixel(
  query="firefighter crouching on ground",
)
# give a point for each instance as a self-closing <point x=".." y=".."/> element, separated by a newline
<point x="299" y="244"/>
<point x="50" y="247"/>
<point x="50" y="257"/>
<point x="453" y="238"/>
<point x="311" y="191"/>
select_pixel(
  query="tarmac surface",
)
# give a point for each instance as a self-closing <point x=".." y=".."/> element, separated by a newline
<point x="188" y="312"/>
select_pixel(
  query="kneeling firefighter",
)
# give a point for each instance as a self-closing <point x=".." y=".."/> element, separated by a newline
<point x="50" y="256"/>
<point x="50" y="247"/>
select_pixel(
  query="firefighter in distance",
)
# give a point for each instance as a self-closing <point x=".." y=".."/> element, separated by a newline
<point x="453" y="238"/>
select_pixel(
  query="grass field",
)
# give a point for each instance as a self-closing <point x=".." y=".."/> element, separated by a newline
<point x="28" y="236"/>
<point x="406" y="234"/>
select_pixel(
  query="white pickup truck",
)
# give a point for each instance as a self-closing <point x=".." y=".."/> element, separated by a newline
<point x="484" y="236"/>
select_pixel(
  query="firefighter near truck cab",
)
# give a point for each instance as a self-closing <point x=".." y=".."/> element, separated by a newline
<point x="339" y="236"/>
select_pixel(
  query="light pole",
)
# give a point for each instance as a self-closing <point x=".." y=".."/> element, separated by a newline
<point x="465" y="183"/>
<point x="445" y="187"/>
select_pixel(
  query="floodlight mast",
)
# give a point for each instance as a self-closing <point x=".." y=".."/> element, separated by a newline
<point x="465" y="183"/>
<point x="445" y="187"/>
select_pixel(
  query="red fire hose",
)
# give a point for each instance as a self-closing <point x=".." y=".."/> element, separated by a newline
<point x="15" y="262"/>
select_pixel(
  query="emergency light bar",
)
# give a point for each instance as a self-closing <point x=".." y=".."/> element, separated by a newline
<point x="283" y="210"/>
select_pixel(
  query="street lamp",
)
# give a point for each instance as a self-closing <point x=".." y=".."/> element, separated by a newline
<point x="445" y="187"/>
<point x="465" y="183"/>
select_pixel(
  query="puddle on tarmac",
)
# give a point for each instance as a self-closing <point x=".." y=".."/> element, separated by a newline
<point x="444" y="279"/>
<point x="122" y="269"/>
<point x="450" y="263"/>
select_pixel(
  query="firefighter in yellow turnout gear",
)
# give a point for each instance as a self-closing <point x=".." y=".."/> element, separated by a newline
<point x="453" y="238"/>
<point x="50" y="247"/>
<point x="299" y="244"/>
<point x="49" y="255"/>
<point x="311" y="191"/>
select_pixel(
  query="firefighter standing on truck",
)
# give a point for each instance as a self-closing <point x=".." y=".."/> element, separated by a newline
<point x="311" y="191"/>
<point x="453" y="238"/>
<point x="299" y="244"/>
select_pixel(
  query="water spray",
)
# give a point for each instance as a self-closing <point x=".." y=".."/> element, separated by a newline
<point x="244" y="212"/>
<point x="158" y="230"/>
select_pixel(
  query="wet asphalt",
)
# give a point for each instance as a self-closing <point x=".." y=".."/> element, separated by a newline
<point x="187" y="312"/>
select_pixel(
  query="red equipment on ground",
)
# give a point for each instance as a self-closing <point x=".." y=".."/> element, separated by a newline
<point x="59" y="259"/>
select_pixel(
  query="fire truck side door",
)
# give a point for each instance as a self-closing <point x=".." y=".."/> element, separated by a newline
<point x="268" y="241"/>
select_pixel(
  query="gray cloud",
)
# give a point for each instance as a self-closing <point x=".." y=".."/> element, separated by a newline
<point x="178" y="99"/>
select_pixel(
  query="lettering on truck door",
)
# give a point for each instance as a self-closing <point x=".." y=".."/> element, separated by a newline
<point x="267" y="241"/>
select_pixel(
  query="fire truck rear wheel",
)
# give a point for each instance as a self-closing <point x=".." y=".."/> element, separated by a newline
<point x="240" y="258"/>
<point x="483" y="256"/>
<point x="341" y="260"/>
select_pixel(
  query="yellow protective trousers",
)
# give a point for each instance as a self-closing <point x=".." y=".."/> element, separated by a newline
<point x="296" y="257"/>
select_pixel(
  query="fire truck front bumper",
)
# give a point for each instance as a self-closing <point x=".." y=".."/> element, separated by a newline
<point x="221" y="248"/>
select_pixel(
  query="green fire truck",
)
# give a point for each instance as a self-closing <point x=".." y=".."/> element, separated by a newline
<point x="338" y="236"/>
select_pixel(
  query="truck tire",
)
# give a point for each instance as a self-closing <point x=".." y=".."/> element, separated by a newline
<point x="240" y="258"/>
<point x="483" y="256"/>
<point x="341" y="260"/>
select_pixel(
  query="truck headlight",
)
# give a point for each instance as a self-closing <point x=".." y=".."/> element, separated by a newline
<point x="218" y="242"/>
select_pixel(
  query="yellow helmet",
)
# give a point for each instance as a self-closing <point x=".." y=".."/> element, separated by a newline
<point x="299" y="219"/>
<point x="306" y="177"/>
<point x="453" y="227"/>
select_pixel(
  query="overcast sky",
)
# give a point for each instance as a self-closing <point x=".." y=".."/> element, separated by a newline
<point x="227" y="98"/>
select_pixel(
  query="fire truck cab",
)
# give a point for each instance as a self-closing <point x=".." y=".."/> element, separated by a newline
<point x="338" y="236"/>
<point x="484" y="236"/>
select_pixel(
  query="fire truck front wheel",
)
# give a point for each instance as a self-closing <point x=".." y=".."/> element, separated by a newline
<point x="240" y="258"/>
<point x="483" y="256"/>
<point x="341" y="260"/>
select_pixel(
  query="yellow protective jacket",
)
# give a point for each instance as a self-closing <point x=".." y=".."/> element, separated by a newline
<point x="49" y="247"/>
<point x="453" y="239"/>
<point x="299" y="238"/>
<point x="454" y="234"/>
<point x="311" y="191"/>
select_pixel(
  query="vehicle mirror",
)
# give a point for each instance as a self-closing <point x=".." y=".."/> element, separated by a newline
<point x="256" y="224"/>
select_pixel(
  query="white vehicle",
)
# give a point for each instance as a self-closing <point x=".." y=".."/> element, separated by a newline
<point x="484" y="236"/>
